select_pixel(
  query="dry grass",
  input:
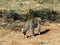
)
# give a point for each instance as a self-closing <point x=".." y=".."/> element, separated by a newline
<point x="10" y="37"/>
<point x="52" y="37"/>
<point x="16" y="5"/>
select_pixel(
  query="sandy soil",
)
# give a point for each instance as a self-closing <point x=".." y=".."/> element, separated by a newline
<point x="50" y="35"/>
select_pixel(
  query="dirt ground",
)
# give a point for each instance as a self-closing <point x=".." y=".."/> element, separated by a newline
<point x="50" y="35"/>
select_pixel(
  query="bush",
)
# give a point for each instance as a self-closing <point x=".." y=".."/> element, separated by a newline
<point x="11" y="18"/>
<point x="43" y="14"/>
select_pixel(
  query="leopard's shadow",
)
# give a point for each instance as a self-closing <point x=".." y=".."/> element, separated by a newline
<point x="43" y="32"/>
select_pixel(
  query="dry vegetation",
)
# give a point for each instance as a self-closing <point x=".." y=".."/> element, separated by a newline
<point x="51" y="37"/>
<point x="50" y="31"/>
